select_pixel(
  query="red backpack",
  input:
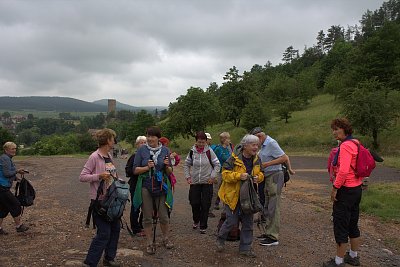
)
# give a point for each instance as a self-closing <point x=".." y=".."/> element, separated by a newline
<point x="365" y="163"/>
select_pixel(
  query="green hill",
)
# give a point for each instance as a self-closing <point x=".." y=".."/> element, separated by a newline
<point x="308" y="131"/>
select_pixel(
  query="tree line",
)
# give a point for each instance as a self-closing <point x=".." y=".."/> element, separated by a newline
<point x="359" y="65"/>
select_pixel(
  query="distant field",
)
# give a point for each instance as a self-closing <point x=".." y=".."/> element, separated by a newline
<point x="48" y="114"/>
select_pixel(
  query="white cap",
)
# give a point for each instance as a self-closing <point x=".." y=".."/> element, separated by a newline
<point x="208" y="136"/>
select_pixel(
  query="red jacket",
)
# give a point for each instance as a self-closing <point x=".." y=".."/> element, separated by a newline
<point x="345" y="175"/>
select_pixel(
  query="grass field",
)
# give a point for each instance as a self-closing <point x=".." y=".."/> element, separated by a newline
<point x="382" y="200"/>
<point x="49" y="114"/>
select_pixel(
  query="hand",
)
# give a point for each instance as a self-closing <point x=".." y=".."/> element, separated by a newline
<point x="291" y="172"/>
<point x="21" y="171"/>
<point x="211" y="180"/>
<point x="150" y="163"/>
<point x="333" y="194"/>
<point x="189" y="180"/>
<point x="243" y="176"/>
<point x="265" y="164"/>
<point x="173" y="154"/>
<point x="106" y="176"/>
<point x="166" y="161"/>
<point x="255" y="179"/>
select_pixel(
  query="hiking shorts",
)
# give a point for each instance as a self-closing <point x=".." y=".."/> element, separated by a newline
<point x="346" y="212"/>
<point x="9" y="203"/>
<point x="147" y="208"/>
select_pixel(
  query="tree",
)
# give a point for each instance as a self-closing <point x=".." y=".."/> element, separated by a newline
<point x="255" y="113"/>
<point x="141" y="122"/>
<point x="232" y="97"/>
<point x="5" y="136"/>
<point x="371" y="108"/>
<point x="125" y="115"/>
<point x="321" y="41"/>
<point x="28" y="137"/>
<point x="290" y="54"/>
<point x="192" y="112"/>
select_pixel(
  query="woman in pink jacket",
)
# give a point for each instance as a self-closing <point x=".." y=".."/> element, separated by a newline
<point x="100" y="167"/>
<point x="346" y="196"/>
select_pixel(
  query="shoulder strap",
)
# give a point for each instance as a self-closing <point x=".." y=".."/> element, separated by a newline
<point x="208" y="153"/>
<point x="100" y="190"/>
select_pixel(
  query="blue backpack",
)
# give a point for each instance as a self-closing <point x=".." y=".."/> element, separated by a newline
<point x="112" y="206"/>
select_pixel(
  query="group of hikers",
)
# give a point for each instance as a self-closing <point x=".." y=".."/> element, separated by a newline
<point x="215" y="175"/>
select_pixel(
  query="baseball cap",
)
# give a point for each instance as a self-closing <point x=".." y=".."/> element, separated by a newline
<point x="208" y="136"/>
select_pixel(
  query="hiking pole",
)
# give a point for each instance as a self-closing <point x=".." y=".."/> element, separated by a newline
<point x="155" y="215"/>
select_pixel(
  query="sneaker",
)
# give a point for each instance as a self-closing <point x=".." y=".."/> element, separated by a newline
<point x="211" y="215"/>
<point x="168" y="243"/>
<point x="111" y="263"/>
<point x="220" y="245"/>
<point x="332" y="263"/>
<point x="263" y="236"/>
<point x="248" y="253"/>
<point x="352" y="261"/>
<point x="2" y="232"/>
<point x="269" y="242"/>
<point x="203" y="231"/>
<point x="22" y="228"/>
<point x="195" y="225"/>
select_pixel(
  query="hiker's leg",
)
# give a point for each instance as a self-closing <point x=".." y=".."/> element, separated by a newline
<point x="232" y="218"/>
<point x="147" y="209"/>
<point x="261" y="193"/>
<point x="11" y="204"/>
<point x="99" y="242"/>
<point x="341" y="221"/>
<point x="134" y="215"/>
<point x="206" y="196"/>
<point x="111" y="249"/>
<point x="246" y="232"/>
<point x="195" y="201"/>
<point x="163" y="217"/>
<point x="273" y="189"/>
<point x="354" y="231"/>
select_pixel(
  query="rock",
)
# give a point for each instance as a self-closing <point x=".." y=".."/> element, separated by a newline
<point x="123" y="252"/>
<point x="71" y="251"/>
<point x="387" y="251"/>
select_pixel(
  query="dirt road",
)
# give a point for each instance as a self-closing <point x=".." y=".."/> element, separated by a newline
<point x="58" y="237"/>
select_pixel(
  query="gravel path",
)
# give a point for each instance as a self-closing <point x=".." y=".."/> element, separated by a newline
<point x="58" y="237"/>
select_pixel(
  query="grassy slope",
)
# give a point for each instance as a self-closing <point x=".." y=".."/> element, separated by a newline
<point x="307" y="133"/>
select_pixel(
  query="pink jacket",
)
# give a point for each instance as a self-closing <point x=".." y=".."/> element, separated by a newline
<point x="345" y="175"/>
<point x="94" y="166"/>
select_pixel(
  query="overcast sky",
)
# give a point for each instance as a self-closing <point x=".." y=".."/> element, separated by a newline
<point x="150" y="52"/>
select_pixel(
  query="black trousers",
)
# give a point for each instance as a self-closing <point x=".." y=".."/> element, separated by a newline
<point x="200" y="196"/>
<point x="9" y="203"/>
<point x="346" y="211"/>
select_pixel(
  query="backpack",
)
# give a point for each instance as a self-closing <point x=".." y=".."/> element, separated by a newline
<point x="208" y="153"/>
<point x="113" y="205"/>
<point x="286" y="174"/>
<point x="24" y="192"/>
<point x="365" y="162"/>
<point x="129" y="165"/>
<point x="234" y="233"/>
<point x="249" y="201"/>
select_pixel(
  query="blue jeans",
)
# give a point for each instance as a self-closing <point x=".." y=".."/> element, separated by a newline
<point x="106" y="239"/>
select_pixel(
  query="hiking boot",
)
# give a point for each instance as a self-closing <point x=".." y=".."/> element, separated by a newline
<point x="2" y="232"/>
<point x="168" y="243"/>
<point x="203" y="231"/>
<point x="269" y="242"/>
<point x="248" y="253"/>
<point x="111" y="263"/>
<point x="352" y="261"/>
<point x="211" y="215"/>
<point x="220" y="245"/>
<point x="263" y="236"/>
<point x="195" y="225"/>
<point x="150" y="249"/>
<point x="22" y="228"/>
<point x="332" y="263"/>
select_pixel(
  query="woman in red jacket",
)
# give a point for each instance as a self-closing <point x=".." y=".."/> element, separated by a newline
<point x="346" y="196"/>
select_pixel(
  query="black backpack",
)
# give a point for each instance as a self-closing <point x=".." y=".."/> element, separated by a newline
<point x="24" y="192"/>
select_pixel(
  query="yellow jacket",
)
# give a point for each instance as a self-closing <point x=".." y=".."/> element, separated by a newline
<point x="231" y="170"/>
